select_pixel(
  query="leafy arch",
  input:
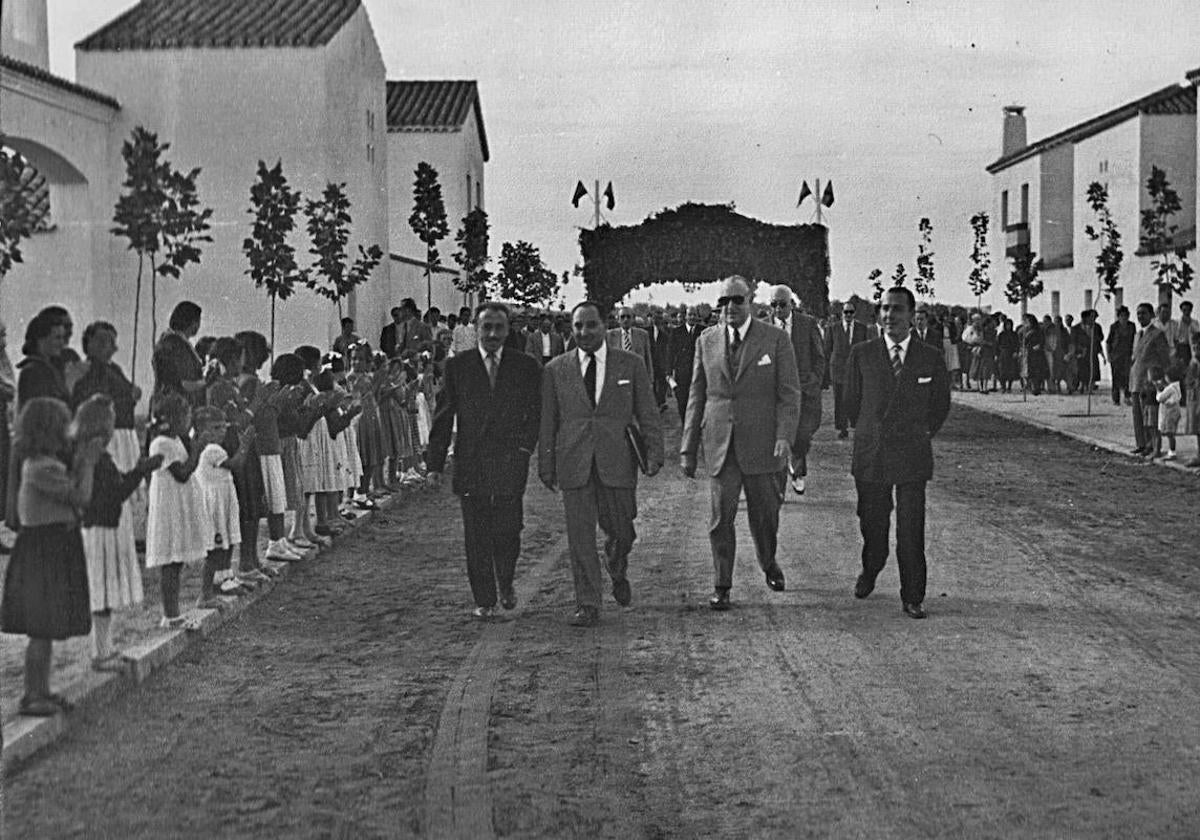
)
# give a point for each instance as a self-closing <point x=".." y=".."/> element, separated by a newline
<point x="698" y="243"/>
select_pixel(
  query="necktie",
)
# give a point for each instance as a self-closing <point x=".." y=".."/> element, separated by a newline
<point x="897" y="362"/>
<point x="626" y="341"/>
<point x="736" y="344"/>
<point x="491" y="369"/>
<point x="589" y="378"/>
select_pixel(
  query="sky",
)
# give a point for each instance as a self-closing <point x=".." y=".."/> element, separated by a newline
<point x="739" y="101"/>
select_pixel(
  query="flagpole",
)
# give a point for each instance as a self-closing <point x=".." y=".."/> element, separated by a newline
<point x="817" y="198"/>
<point x="596" y="203"/>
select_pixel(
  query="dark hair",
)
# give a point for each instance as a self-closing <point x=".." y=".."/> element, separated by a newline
<point x="310" y="355"/>
<point x="410" y="305"/>
<point x="288" y="369"/>
<point x="394" y="310"/>
<point x="256" y="347"/>
<point x="1155" y="371"/>
<point x="347" y="321"/>
<point x="40" y="327"/>
<point x="42" y="426"/>
<point x="1122" y="310"/>
<point x="493" y="306"/>
<point x="1144" y="305"/>
<point x="599" y="309"/>
<point x="907" y="293"/>
<point x="166" y="407"/>
<point x="184" y="315"/>
<point x="227" y="350"/>
<point x="206" y="416"/>
<point x="90" y="332"/>
<point x="204" y="345"/>
<point x="323" y="381"/>
<point x="334" y="362"/>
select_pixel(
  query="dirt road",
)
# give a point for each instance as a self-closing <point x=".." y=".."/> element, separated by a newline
<point x="1052" y="692"/>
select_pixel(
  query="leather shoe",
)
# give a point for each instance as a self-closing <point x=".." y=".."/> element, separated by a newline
<point x="585" y="617"/>
<point x="864" y="586"/>
<point x="775" y="578"/>
<point x="719" y="600"/>
<point x="622" y="593"/>
<point x="914" y="611"/>
<point x="843" y="434"/>
<point x="508" y="599"/>
<point x="484" y="612"/>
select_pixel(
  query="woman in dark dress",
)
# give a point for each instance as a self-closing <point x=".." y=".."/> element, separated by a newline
<point x="1034" y="367"/>
<point x="1008" y="349"/>
<point x="1088" y="340"/>
<point x="177" y="367"/>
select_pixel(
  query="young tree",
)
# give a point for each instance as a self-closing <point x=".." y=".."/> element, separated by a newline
<point x="160" y="214"/>
<point x="900" y="275"/>
<point x="1023" y="283"/>
<point x="924" y="280"/>
<point x="523" y="277"/>
<point x="428" y="221"/>
<point x="979" y="279"/>
<point x="18" y="219"/>
<point x="329" y="230"/>
<point x="1108" y="261"/>
<point x="472" y="253"/>
<point x="1171" y="267"/>
<point x="274" y="205"/>
<point x="876" y="284"/>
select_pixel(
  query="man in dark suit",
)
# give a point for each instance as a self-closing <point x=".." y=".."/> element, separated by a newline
<point x="1150" y="349"/>
<point x="898" y="396"/>
<point x="590" y="396"/>
<point x="660" y="352"/>
<point x="745" y="402"/>
<point x="494" y="396"/>
<point x="926" y="332"/>
<point x="810" y="366"/>
<point x="387" y="336"/>
<point x="839" y="338"/>
<point x="683" y="354"/>
<point x="1119" y="344"/>
<point x="632" y="339"/>
<point x="546" y="343"/>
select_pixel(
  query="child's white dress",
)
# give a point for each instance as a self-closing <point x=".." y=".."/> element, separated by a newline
<point x="176" y="527"/>
<point x="1169" y="411"/>
<point x="220" y="497"/>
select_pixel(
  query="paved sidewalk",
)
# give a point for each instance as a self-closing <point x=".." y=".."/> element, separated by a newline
<point x="1107" y="427"/>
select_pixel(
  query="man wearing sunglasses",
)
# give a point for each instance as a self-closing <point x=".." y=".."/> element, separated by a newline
<point x="745" y="402"/>
<point x="632" y="339"/>
<point x="802" y="330"/>
<point x="839" y="338"/>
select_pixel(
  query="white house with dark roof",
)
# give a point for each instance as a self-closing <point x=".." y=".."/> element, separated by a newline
<point x="441" y="123"/>
<point x="226" y="83"/>
<point x="1040" y="197"/>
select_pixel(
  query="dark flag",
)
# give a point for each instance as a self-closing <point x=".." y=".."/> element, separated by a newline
<point x="805" y="192"/>
<point x="580" y="192"/>
<point x="608" y="194"/>
<point x="827" y="198"/>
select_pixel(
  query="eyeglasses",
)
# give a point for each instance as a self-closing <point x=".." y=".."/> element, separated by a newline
<point x="847" y="311"/>
<point x="736" y="300"/>
<point x="781" y="304"/>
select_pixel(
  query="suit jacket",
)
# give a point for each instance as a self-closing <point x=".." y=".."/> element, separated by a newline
<point x="747" y="409"/>
<point x="683" y="353"/>
<point x="497" y="429"/>
<point x="895" y="417"/>
<point x="387" y="339"/>
<point x="838" y="342"/>
<point x="641" y="345"/>
<point x="1120" y="342"/>
<point x="933" y="336"/>
<point x="575" y="436"/>
<point x="660" y="348"/>
<point x="533" y="345"/>
<point x="810" y="366"/>
<point x="1149" y="349"/>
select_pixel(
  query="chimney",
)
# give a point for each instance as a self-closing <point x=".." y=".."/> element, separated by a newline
<point x="23" y="32"/>
<point x="1014" y="130"/>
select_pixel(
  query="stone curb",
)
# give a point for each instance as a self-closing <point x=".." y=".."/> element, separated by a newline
<point x="1096" y="443"/>
<point x="26" y="736"/>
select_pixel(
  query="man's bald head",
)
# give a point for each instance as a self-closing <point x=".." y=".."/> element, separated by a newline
<point x="735" y="285"/>
<point x="782" y="293"/>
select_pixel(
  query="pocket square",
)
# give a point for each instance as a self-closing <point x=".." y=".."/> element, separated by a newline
<point x="765" y="360"/>
<point x="924" y="380"/>
<point x="622" y="381"/>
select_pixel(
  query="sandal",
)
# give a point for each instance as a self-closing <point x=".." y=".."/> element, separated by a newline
<point x="113" y="663"/>
<point x="175" y="623"/>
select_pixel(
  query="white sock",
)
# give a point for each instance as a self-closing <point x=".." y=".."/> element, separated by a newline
<point x="102" y="644"/>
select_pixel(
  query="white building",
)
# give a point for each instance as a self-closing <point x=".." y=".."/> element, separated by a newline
<point x="1040" y="198"/>
<point x="226" y="83"/>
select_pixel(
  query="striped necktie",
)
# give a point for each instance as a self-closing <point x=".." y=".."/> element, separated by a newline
<point x="627" y="341"/>
<point x="897" y="362"/>
<point x="491" y="369"/>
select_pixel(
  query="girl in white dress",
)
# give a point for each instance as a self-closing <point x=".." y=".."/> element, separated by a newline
<point x="223" y="522"/>
<point x="176" y="525"/>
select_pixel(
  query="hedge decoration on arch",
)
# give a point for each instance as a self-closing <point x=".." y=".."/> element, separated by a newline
<point x="698" y="243"/>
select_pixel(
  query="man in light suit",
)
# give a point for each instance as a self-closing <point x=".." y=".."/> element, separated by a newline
<point x="810" y="366"/>
<point x="745" y="401"/>
<point x="898" y="396"/>
<point x="1150" y="349"/>
<point x="632" y="339"/>
<point x="546" y="343"/>
<point x="589" y="397"/>
<point x="839" y="338"/>
<point x="494" y="397"/>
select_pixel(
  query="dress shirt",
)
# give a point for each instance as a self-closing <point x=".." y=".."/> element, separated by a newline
<point x="1170" y="329"/>
<point x="733" y="333"/>
<point x="546" y="351"/>
<point x="786" y="324"/>
<point x="902" y="344"/>
<point x="499" y="355"/>
<point x="601" y="358"/>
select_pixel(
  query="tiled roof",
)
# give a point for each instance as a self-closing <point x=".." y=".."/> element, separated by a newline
<point x="1173" y="99"/>
<point x="34" y="72"/>
<point x="172" y="24"/>
<point x="434" y="106"/>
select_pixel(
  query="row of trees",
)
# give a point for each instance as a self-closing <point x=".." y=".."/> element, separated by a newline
<point x="1158" y="232"/>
